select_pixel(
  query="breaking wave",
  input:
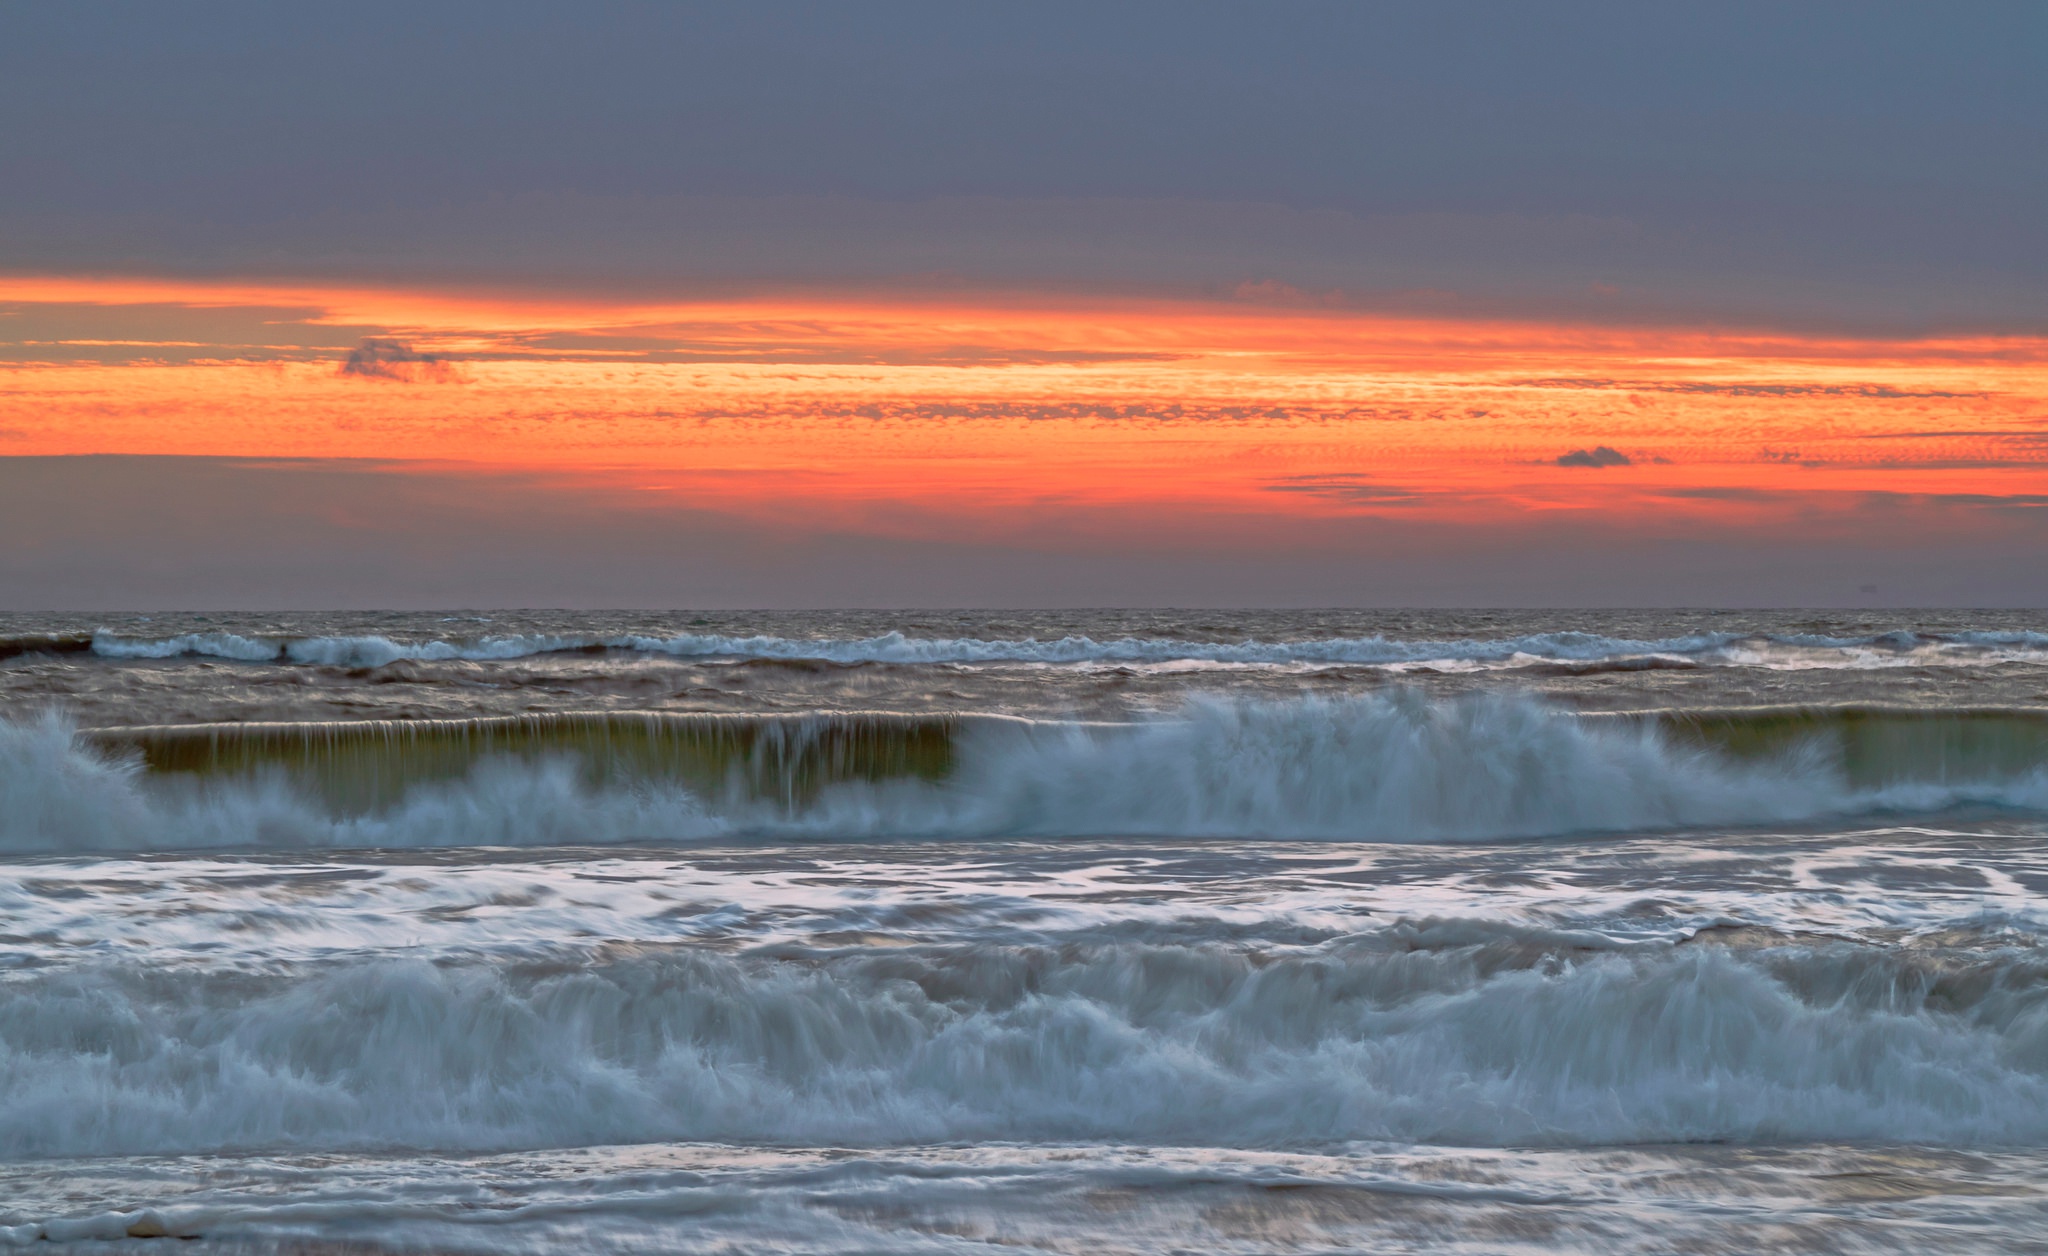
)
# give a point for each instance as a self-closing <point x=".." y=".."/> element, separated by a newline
<point x="1438" y="1032"/>
<point x="1395" y="767"/>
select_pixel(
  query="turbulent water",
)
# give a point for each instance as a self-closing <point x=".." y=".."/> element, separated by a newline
<point x="1279" y="932"/>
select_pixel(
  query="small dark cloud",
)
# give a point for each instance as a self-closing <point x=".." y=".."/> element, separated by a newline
<point x="394" y="359"/>
<point x="1597" y="456"/>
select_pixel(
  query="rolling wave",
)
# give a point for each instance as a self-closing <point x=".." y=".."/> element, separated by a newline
<point x="44" y="643"/>
<point x="1565" y="648"/>
<point x="1395" y="767"/>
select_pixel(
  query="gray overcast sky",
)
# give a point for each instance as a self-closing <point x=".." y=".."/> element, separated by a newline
<point x="1835" y="161"/>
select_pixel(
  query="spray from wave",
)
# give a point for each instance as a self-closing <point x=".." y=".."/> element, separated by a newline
<point x="1395" y="767"/>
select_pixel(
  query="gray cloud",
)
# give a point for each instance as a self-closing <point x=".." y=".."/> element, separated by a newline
<point x="1598" y="456"/>
<point x="394" y="359"/>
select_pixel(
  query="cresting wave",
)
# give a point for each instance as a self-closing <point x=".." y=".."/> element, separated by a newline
<point x="1395" y="767"/>
<point x="895" y="647"/>
<point x="1441" y="1032"/>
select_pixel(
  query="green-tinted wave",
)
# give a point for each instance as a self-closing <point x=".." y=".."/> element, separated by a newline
<point x="361" y="765"/>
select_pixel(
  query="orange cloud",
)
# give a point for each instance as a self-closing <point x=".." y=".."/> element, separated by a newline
<point x="915" y="413"/>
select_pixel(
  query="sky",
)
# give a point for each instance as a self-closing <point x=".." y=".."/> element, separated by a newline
<point x="771" y="305"/>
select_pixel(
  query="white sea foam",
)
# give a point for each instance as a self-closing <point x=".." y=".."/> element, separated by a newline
<point x="1466" y="1041"/>
<point x="1390" y="768"/>
<point x="1382" y="768"/>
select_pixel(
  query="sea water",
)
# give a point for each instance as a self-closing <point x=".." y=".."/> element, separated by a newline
<point x="1104" y="932"/>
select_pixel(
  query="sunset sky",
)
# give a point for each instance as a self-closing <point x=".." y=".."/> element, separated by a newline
<point x="1340" y="304"/>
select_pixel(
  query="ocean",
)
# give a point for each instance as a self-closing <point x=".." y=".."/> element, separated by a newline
<point x="1102" y="932"/>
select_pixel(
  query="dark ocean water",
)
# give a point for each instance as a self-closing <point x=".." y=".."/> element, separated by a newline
<point x="1159" y="931"/>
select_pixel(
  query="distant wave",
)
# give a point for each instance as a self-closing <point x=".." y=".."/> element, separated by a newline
<point x="1380" y="768"/>
<point x="1374" y="651"/>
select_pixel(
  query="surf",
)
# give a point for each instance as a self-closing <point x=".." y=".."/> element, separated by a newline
<point x="1471" y="1035"/>
<point x="1394" y="767"/>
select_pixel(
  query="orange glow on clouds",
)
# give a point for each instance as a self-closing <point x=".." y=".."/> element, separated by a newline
<point x="983" y="415"/>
